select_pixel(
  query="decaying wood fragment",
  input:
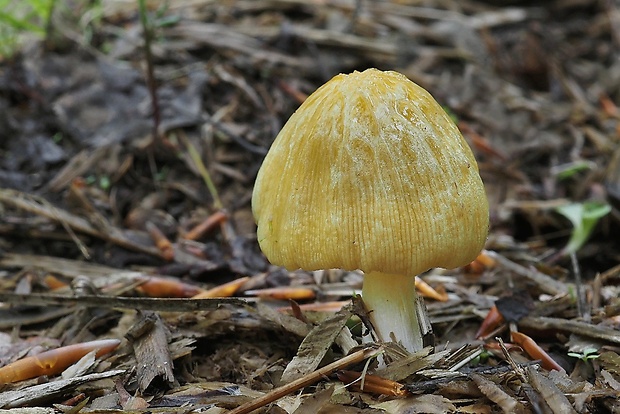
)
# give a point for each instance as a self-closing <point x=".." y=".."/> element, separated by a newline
<point x="150" y="343"/>
<point x="103" y="301"/>
<point x="42" y="393"/>
<point x="567" y="325"/>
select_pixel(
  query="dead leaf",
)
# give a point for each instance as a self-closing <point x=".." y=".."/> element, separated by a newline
<point x="314" y="347"/>
<point x="493" y="392"/>
<point x="550" y="393"/>
<point x="422" y="404"/>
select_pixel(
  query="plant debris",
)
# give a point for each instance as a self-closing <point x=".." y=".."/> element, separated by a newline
<point x="125" y="209"/>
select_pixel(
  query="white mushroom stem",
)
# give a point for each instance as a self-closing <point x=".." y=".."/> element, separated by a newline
<point x="391" y="302"/>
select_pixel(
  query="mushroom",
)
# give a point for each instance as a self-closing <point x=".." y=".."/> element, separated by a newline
<point x="370" y="173"/>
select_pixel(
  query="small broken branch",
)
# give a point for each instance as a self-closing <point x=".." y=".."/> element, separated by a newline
<point x="313" y="377"/>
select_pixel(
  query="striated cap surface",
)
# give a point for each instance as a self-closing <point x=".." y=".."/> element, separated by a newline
<point x="370" y="173"/>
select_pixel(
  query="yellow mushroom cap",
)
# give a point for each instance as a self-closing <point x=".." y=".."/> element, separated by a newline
<point x="370" y="173"/>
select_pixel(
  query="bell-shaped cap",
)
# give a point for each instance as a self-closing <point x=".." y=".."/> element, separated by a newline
<point x="370" y="173"/>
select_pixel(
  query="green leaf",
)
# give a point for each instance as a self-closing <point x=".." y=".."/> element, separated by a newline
<point x="21" y="17"/>
<point x="562" y="172"/>
<point x="584" y="217"/>
<point x="585" y="355"/>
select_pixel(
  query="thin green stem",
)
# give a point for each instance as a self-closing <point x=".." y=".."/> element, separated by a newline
<point x="49" y="23"/>
<point x="204" y="172"/>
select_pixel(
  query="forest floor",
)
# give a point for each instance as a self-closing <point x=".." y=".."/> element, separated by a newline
<point x="126" y="229"/>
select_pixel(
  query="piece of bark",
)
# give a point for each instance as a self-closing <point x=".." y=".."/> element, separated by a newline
<point x="43" y="393"/>
<point x="150" y="343"/>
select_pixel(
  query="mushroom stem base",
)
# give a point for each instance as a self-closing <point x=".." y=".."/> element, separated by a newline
<point x="390" y="300"/>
